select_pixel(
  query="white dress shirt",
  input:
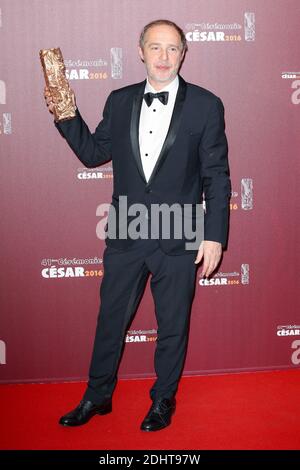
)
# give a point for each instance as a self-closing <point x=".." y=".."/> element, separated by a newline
<point x="154" y="124"/>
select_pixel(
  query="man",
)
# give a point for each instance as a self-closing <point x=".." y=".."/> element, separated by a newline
<point x="167" y="142"/>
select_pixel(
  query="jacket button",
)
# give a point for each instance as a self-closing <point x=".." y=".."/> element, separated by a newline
<point x="148" y="190"/>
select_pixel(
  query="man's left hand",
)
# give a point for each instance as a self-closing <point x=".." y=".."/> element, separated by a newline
<point x="211" y="252"/>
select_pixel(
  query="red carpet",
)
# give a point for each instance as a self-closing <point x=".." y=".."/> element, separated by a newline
<point x="237" y="411"/>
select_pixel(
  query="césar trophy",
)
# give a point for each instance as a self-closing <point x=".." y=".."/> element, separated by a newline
<point x="57" y="83"/>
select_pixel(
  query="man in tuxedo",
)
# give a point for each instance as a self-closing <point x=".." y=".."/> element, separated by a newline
<point x="166" y="139"/>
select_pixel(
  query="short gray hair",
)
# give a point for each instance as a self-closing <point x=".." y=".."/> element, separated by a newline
<point x="163" y="22"/>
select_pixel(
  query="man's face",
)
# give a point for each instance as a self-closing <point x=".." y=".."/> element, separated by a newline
<point x="162" y="54"/>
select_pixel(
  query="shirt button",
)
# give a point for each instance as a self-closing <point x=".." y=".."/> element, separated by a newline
<point x="146" y="154"/>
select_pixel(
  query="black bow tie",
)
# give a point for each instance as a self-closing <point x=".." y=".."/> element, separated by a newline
<point x="162" y="96"/>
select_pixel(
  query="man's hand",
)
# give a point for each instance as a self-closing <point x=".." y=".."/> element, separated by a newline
<point x="212" y="252"/>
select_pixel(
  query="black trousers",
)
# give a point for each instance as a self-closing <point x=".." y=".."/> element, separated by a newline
<point x="125" y="277"/>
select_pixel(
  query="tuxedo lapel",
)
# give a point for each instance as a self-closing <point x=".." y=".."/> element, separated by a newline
<point x="171" y="135"/>
<point x="134" y="128"/>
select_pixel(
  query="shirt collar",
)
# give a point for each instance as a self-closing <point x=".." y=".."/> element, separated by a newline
<point x="171" y="87"/>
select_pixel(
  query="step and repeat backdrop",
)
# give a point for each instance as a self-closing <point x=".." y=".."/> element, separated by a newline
<point x="246" y="317"/>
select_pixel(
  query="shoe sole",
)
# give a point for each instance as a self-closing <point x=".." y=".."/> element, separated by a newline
<point x="105" y="411"/>
<point x="102" y="412"/>
<point x="156" y="429"/>
<point x="161" y="427"/>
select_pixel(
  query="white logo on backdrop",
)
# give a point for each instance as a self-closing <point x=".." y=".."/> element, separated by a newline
<point x="7" y="128"/>
<point x="249" y="24"/>
<point x="245" y="273"/>
<point x="247" y="193"/>
<point x="2" y="352"/>
<point x="2" y="92"/>
<point x="85" y="174"/>
<point x="288" y="330"/>
<point x="96" y="69"/>
<point x="116" y="62"/>
<point x="205" y="31"/>
<point x="228" y="279"/>
<point x="71" y="267"/>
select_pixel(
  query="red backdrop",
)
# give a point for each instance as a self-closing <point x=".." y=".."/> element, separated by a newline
<point x="247" y="52"/>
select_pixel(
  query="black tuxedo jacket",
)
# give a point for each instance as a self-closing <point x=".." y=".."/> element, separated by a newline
<point x="193" y="162"/>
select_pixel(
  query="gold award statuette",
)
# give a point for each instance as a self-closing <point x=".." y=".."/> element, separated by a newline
<point x="55" y="77"/>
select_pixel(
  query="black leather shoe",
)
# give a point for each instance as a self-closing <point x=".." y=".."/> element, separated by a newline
<point x="84" y="412"/>
<point x="159" y="415"/>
